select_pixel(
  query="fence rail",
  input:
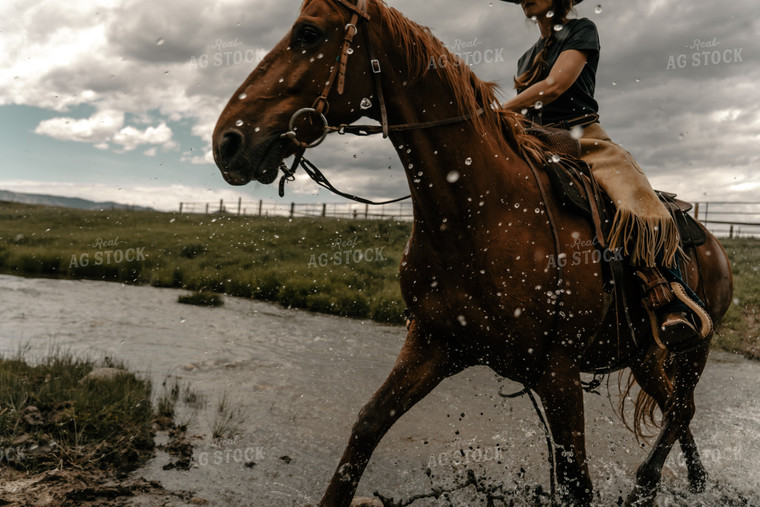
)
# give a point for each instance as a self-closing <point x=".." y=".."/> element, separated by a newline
<point x="401" y="211"/>
<point x="731" y="218"/>
<point x="723" y="218"/>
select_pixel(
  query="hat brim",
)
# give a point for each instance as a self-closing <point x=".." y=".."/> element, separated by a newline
<point x="576" y="2"/>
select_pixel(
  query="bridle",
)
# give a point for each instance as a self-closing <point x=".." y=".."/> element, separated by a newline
<point x="321" y="105"/>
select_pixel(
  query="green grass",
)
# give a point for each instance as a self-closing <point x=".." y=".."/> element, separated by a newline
<point x="50" y="416"/>
<point x="294" y="262"/>
<point x="201" y="298"/>
<point x="313" y="264"/>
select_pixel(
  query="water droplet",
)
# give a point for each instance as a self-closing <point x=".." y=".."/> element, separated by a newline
<point x="242" y="96"/>
<point x="365" y="103"/>
<point x="614" y="83"/>
<point x="257" y="129"/>
<point x="598" y="9"/>
<point x="556" y="158"/>
<point x="282" y="79"/>
<point x="577" y="132"/>
<point x="550" y="14"/>
<point x="518" y="312"/>
<point x="538" y="104"/>
<point x="452" y="177"/>
<point x="558" y="27"/>
<point x="160" y="42"/>
<point x="462" y="320"/>
<point x="349" y="51"/>
<point x="239" y="123"/>
<point x="517" y="205"/>
<point x="468" y="161"/>
<point x="320" y="56"/>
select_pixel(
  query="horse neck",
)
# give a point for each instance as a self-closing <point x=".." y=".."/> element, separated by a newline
<point x="467" y="176"/>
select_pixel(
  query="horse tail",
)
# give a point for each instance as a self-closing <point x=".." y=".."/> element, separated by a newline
<point x="644" y="407"/>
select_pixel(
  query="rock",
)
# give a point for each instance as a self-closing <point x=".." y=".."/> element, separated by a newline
<point x="103" y="374"/>
<point x="366" y="502"/>
<point x="32" y="416"/>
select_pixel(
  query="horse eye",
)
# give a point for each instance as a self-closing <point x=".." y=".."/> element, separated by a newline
<point x="307" y="35"/>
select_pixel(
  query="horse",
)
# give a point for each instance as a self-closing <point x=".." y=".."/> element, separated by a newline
<point x="477" y="274"/>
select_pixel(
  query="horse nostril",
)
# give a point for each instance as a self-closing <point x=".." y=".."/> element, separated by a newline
<point x="230" y="145"/>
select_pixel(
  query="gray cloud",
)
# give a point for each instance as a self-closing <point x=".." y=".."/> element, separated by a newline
<point x="696" y="122"/>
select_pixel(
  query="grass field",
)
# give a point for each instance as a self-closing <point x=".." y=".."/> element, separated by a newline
<point x="341" y="267"/>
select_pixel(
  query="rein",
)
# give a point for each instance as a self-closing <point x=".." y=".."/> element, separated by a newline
<point x="321" y="106"/>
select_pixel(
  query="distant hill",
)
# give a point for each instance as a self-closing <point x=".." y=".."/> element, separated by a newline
<point x="65" y="202"/>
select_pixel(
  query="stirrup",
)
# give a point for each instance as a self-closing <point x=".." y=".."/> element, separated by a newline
<point x="680" y="334"/>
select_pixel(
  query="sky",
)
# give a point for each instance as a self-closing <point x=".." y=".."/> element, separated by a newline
<point x="117" y="99"/>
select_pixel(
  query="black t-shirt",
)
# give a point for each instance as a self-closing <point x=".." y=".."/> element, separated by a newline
<point x="579" y="34"/>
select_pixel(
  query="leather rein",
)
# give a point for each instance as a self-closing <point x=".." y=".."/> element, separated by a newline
<point x="321" y="106"/>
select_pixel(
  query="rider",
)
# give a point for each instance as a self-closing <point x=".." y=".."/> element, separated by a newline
<point x="555" y="85"/>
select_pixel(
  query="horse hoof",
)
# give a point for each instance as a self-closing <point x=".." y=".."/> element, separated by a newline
<point x="698" y="482"/>
<point x="641" y="497"/>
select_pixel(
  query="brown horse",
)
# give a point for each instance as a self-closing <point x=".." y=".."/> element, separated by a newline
<point x="477" y="274"/>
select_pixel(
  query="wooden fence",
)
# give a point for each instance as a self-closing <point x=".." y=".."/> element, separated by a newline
<point x="723" y="218"/>
<point x="396" y="211"/>
<point x="729" y="218"/>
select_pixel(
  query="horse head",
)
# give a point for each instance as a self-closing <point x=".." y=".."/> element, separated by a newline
<point x="295" y="92"/>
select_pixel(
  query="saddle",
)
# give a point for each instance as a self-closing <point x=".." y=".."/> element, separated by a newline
<point x="578" y="191"/>
<point x="575" y="187"/>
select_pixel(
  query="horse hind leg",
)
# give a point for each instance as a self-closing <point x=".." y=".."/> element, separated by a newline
<point x="654" y="379"/>
<point x="677" y="404"/>
<point x="420" y="366"/>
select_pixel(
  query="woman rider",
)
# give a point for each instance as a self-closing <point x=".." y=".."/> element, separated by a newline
<point x="555" y="84"/>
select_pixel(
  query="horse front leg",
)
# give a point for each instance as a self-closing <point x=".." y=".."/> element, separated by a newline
<point x="677" y="417"/>
<point x="420" y="366"/>
<point x="562" y="397"/>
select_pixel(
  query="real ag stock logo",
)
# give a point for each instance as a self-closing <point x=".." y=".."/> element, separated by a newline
<point x="107" y="253"/>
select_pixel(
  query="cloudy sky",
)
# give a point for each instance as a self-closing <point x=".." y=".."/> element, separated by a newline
<point x="117" y="99"/>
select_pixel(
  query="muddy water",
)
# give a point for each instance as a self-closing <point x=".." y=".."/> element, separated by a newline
<point x="296" y="381"/>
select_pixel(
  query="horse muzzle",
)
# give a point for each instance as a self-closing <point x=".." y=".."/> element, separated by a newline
<point x="240" y="163"/>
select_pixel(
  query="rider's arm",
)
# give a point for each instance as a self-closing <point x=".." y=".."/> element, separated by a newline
<point x="565" y="71"/>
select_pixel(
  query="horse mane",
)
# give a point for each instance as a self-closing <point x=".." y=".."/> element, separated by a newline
<point x="468" y="91"/>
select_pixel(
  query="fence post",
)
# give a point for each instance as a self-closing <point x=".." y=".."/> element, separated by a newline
<point x="221" y="205"/>
<point x="731" y="232"/>
<point x="207" y="208"/>
<point x="240" y="203"/>
<point x="261" y="204"/>
<point x="292" y="209"/>
<point x="180" y="208"/>
<point x="324" y="210"/>
<point x="366" y="211"/>
<point x="696" y="211"/>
